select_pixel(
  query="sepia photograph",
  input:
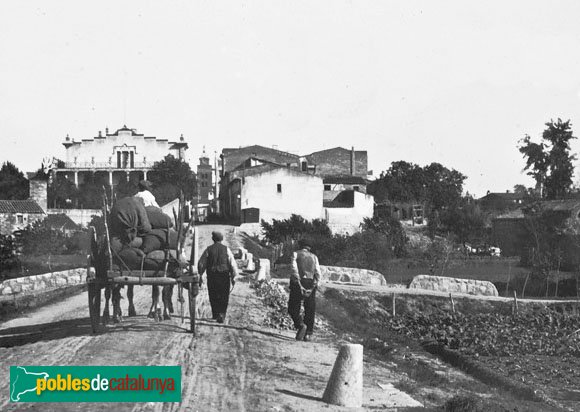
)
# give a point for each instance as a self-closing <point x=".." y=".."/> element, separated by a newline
<point x="324" y="205"/>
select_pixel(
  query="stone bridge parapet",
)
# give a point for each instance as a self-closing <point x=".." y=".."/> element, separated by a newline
<point x="44" y="281"/>
<point x="454" y="285"/>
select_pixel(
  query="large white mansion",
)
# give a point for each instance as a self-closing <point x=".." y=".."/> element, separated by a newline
<point x="122" y="155"/>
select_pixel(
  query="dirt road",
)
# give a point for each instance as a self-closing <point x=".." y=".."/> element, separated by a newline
<point x="235" y="366"/>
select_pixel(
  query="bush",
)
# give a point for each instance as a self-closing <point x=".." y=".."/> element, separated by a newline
<point x="8" y="255"/>
<point x="371" y="249"/>
<point x="365" y="250"/>
<point x="295" y="228"/>
<point x="390" y="227"/>
<point x="40" y="239"/>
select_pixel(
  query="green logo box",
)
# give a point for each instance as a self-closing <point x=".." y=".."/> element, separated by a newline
<point x="95" y="383"/>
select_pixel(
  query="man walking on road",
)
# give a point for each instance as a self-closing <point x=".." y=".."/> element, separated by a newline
<point x="303" y="283"/>
<point x="222" y="269"/>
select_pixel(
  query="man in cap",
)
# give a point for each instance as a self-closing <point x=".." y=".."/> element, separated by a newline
<point x="145" y="193"/>
<point x="222" y="269"/>
<point x="303" y="283"/>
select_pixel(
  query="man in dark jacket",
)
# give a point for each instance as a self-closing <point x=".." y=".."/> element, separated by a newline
<point x="303" y="283"/>
<point x="221" y="268"/>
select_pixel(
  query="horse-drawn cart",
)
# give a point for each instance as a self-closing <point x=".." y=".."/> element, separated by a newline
<point x="111" y="273"/>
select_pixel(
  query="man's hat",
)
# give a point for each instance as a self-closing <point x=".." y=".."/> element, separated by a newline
<point x="303" y="243"/>
<point x="144" y="185"/>
<point x="217" y="236"/>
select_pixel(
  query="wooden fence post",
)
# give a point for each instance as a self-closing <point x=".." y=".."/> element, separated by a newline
<point x="452" y="304"/>
<point x="507" y="285"/>
<point x="515" y="308"/>
<point x="393" y="309"/>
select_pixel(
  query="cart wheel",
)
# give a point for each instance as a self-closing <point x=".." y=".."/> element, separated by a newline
<point x="192" y="309"/>
<point x="94" y="305"/>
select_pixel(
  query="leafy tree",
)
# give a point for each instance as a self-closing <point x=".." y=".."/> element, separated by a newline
<point x="126" y="187"/>
<point x="403" y="182"/>
<point x="550" y="162"/>
<point x="390" y="227"/>
<point x="90" y="193"/>
<point x="433" y="184"/>
<point x="169" y="177"/>
<point x="8" y="255"/>
<point x="466" y="223"/>
<point x="62" y="193"/>
<point x="443" y="186"/>
<point x="13" y="184"/>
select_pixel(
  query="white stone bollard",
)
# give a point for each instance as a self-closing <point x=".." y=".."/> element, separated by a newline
<point x="345" y="385"/>
<point x="263" y="270"/>
<point x="251" y="266"/>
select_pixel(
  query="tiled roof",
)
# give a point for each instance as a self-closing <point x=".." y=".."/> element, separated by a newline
<point x="61" y="221"/>
<point x="246" y="164"/>
<point x="336" y="149"/>
<point x="20" y="206"/>
<point x="506" y="196"/>
<point x="344" y="199"/>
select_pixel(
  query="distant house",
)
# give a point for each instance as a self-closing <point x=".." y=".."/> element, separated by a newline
<point x="262" y="183"/>
<point x="513" y="231"/>
<point x="501" y="201"/>
<point x="347" y="210"/>
<point x="62" y="223"/>
<point x="337" y="161"/>
<point x="510" y="233"/>
<point x="268" y="191"/>
<point x="17" y="214"/>
<point x="344" y="182"/>
<point x="231" y="159"/>
<point x="116" y="157"/>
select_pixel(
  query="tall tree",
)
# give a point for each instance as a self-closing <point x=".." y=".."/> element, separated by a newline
<point x="443" y="186"/>
<point x="550" y="162"/>
<point x="90" y="193"/>
<point x="62" y="193"/>
<point x="13" y="184"/>
<point x="169" y="176"/>
<point x="434" y="184"/>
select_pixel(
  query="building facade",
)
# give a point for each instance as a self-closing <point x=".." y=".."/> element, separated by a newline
<point x="17" y="214"/>
<point x="120" y="156"/>
<point x="259" y="183"/>
<point x="337" y="161"/>
<point x="269" y="191"/>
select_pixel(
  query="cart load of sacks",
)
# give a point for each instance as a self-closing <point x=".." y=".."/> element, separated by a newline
<point x="142" y="238"/>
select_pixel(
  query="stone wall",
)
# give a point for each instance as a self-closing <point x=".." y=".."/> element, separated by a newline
<point x="339" y="274"/>
<point x="351" y="275"/>
<point x="43" y="282"/>
<point x="9" y="221"/>
<point x="337" y="161"/>
<point x="81" y="217"/>
<point x="252" y="229"/>
<point x="454" y="285"/>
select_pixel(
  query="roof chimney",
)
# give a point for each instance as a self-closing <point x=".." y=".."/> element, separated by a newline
<point x="352" y="166"/>
<point x="38" y="191"/>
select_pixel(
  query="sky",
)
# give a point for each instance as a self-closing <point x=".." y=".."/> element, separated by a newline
<point x="454" y="82"/>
